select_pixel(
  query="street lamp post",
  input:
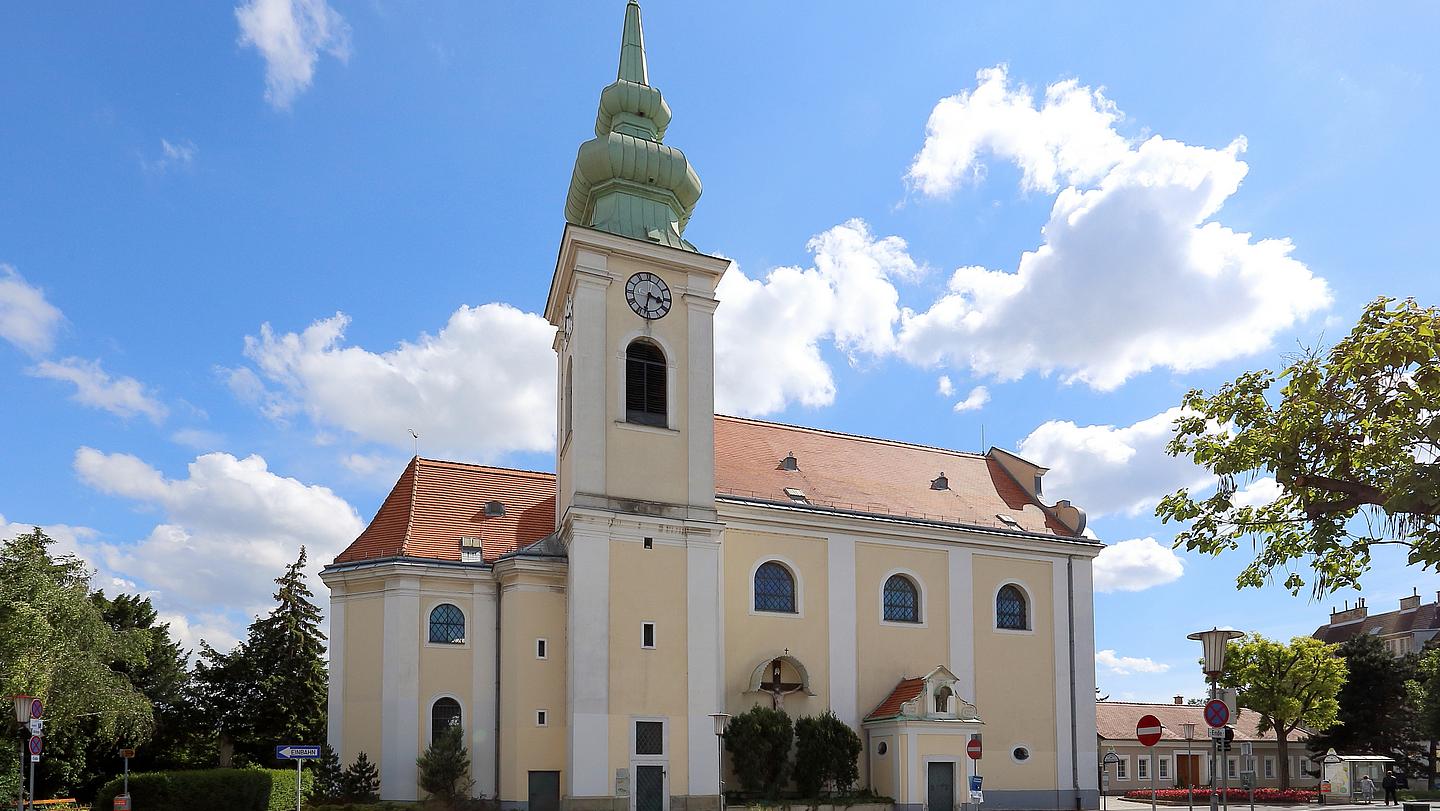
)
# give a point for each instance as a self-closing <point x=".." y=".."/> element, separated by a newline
<point x="1213" y="643"/>
<point x="1189" y="772"/>
<point x="22" y="715"/>
<point x="721" y="719"/>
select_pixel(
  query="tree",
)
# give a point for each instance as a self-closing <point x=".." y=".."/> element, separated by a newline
<point x="327" y="778"/>
<point x="55" y="643"/>
<point x="273" y="686"/>
<point x="445" y="767"/>
<point x="758" y="741"/>
<point x="826" y="754"/>
<point x="1378" y="714"/>
<point x="1352" y="440"/>
<point x="361" y="781"/>
<point x="1288" y="686"/>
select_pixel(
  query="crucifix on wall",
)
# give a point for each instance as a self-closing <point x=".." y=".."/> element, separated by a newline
<point x="776" y="685"/>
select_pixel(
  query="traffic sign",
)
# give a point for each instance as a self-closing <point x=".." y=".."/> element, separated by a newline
<point x="1148" y="730"/>
<point x="296" y="751"/>
<point x="37" y="726"/>
<point x="37" y="708"/>
<point x="1217" y="733"/>
<point x="973" y="748"/>
<point x="122" y="802"/>
<point x="36" y="745"/>
<point x="1217" y="714"/>
<point x="127" y="753"/>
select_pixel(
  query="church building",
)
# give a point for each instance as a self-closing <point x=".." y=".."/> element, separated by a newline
<point x="586" y="627"/>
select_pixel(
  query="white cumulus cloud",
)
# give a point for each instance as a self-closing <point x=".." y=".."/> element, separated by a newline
<point x="974" y="401"/>
<point x="27" y="320"/>
<point x="944" y="386"/>
<point x="94" y="387"/>
<point x="1258" y="493"/>
<point x="482" y="386"/>
<point x="768" y="332"/>
<point x="1136" y="565"/>
<point x="1134" y="273"/>
<point x="229" y="528"/>
<point x="291" y="35"/>
<point x="1126" y="665"/>
<point x="1112" y="469"/>
<point x="1069" y="138"/>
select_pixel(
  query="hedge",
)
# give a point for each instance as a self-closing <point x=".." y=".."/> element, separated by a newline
<point x="1234" y="795"/>
<point x="218" y="789"/>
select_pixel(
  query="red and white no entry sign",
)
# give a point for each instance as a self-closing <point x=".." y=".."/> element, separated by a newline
<point x="1148" y="730"/>
<point x="973" y="748"/>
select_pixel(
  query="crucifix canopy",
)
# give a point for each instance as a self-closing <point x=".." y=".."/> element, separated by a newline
<point x="793" y="673"/>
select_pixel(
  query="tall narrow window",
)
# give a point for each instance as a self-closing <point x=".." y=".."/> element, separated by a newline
<point x="444" y="713"/>
<point x="774" y="588"/>
<point x="1010" y="610"/>
<point x="447" y="624"/>
<point x="569" y="396"/>
<point x="902" y="599"/>
<point x="647" y="634"/>
<point x="645" y="384"/>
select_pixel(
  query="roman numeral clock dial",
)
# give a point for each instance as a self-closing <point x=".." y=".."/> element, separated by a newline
<point x="648" y="295"/>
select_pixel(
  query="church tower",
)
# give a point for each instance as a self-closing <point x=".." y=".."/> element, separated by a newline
<point x="633" y="302"/>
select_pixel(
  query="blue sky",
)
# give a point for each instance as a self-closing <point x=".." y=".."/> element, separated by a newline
<point x="1083" y="212"/>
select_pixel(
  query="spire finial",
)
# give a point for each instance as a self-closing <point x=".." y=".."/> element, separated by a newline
<point x="632" y="48"/>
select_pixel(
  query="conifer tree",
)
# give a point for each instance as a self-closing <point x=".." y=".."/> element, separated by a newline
<point x="361" y="781"/>
<point x="445" y="767"/>
<point x="326" y="778"/>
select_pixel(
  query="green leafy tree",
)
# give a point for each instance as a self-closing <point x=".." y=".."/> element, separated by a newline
<point x="1379" y="709"/>
<point x="326" y="778"/>
<point x="827" y="755"/>
<point x="55" y="643"/>
<point x="272" y="688"/>
<point x="361" y="781"/>
<point x="445" y="768"/>
<point x="1288" y="686"/>
<point x="1351" y="437"/>
<point x="758" y="741"/>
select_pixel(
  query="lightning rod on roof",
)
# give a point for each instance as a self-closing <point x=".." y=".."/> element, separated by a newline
<point x="417" y="440"/>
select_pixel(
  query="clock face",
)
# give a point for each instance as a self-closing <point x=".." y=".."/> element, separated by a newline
<point x="568" y="325"/>
<point x="648" y="296"/>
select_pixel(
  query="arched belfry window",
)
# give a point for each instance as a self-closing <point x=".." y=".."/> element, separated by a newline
<point x="1011" y="611"/>
<point x="444" y="713"/>
<point x="645" y="384"/>
<point x="902" y="599"/>
<point x="447" y="624"/>
<point x="774" y="588"/>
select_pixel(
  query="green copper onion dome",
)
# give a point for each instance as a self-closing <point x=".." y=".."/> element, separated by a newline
<point x="626" y="181"/>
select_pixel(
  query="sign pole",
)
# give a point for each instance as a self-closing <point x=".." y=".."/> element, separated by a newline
<point x="32" y="782"/>
<point x="298" y="764"/>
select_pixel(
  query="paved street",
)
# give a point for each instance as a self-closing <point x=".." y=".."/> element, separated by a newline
<point x="1119" y="804"/>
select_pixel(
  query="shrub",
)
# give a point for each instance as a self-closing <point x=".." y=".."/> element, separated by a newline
<point x="758" y="741"/>
<point x="1234" y="795"/>
<point x="231" y="789"/>
<point x="826" y="753"/>
<point x="326" y="784"/>
<point x="445" y="768"/>
<point x="361" y="781"/>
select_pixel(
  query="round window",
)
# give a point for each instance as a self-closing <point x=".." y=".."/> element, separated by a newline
<point x="882" y="748"/>
<point x="1021" y="754"/>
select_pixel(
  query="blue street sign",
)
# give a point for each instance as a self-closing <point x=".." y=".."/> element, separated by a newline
<point x="974" y="782"/>
<point x="295" y="751"/>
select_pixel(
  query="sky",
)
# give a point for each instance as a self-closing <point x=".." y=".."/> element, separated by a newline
<point x="244" y="250"/>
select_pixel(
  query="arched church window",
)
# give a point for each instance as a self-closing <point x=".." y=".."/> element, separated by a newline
<point x="447" y="624"/>
<point x="1011" y="612"/>
<point x="902" y="599"/>
<point x="444" y="713"/>
<point x="569" y="396"/>
<point x="942" y="699"/>
<point x="645" y="384"/>
<point x="774" y="588"/>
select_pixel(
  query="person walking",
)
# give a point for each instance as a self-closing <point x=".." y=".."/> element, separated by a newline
<point x="1389" y="783"/>
<point x="1367" y="789"/>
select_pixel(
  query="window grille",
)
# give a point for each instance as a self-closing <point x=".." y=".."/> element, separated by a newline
<point x="447" y="624"/>
<point x="902" y="600"/>
<point x="649" y="738"/>
<point x="1010" y="613"/>
<point x="774" y="588"/>
<point x="444" y="713"/>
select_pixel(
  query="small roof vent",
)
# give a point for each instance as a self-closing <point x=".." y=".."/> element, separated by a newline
<point x="1008" y="520"/>
<point x="940" y="482"/>
<point x="494" y="509"/>
<point x="469" y="542"/>
<point x="797" y="495"/>
<point x="789" y="462"/>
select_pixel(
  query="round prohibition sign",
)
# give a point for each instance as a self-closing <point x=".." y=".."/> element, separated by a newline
<point x="35" y="745"/>
<point x="1217" y="714"/>
<point x="1148" y="730"/>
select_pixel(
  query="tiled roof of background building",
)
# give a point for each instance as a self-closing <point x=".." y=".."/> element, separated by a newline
<point x="435" y="503"/>
<point x="1423" y="618"/>
<point x="1116" y="721"/>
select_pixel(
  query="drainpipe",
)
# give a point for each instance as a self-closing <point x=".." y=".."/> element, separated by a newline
<point x="1074" y="718"/>
<point x="498" y="591"/>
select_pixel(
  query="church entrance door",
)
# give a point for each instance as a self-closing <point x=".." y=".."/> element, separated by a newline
<point x="650" y="790"/>
<point x="544" y="791"/>
<point x="940" y="787"/>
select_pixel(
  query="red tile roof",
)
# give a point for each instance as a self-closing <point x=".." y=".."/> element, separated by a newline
<point x="905" y="691"/>
<point x="1116" y="721"/>
<point x="1423" y="618"/>
<point x="435" y="503"/>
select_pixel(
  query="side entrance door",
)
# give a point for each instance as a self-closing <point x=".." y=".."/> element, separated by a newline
<point x="940" y="787"/>
<point x="544" y="791"/>
<point x="650" y="791"/>
<point x="1187" y="769"/>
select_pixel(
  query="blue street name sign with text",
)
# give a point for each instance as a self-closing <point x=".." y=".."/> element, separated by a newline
<point x="296" y="752"/>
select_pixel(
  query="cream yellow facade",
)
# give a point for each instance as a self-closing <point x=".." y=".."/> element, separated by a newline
<point x="587" y="661"/>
